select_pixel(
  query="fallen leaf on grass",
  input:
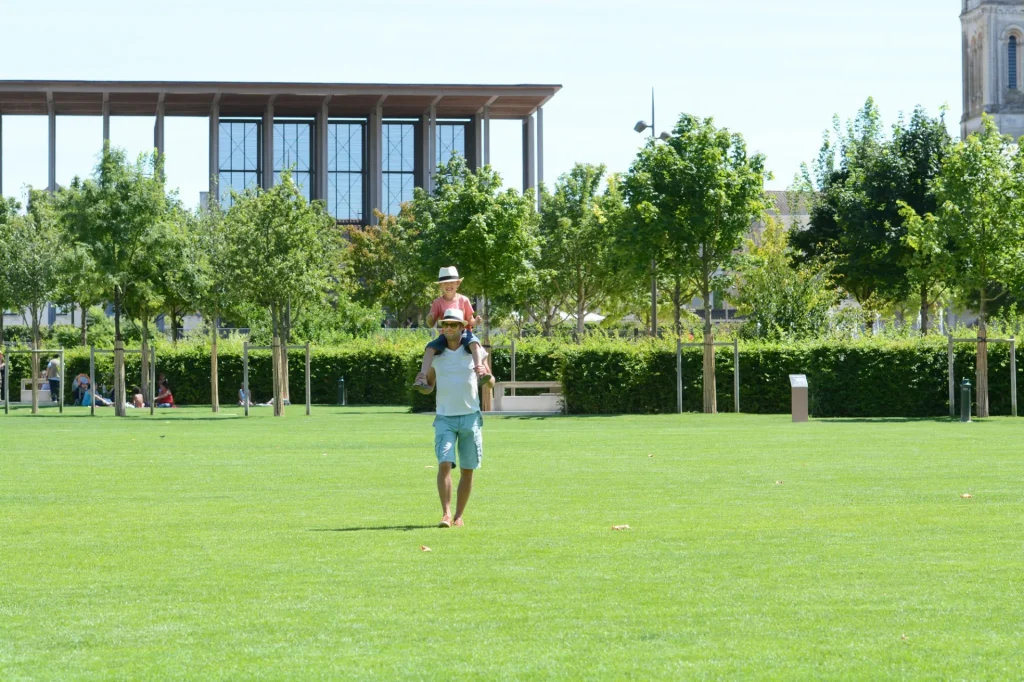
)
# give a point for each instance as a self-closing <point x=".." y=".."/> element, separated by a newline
<point x="428" y="467"/>
<point x="903" y="637"/>
<point x="778" y="482"/>
<point x="424" y="548"/>
<point x="967" y="496"/>
<point x="622" y="527"/>
<point x="650" y="455"/>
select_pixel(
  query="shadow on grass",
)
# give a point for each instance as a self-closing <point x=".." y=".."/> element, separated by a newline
<point x="883" y="420"/>
<point x="359" y="528"/>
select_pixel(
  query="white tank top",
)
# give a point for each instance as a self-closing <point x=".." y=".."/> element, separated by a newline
<point x="457" y="392"/>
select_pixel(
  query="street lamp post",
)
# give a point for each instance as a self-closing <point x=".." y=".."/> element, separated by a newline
<point x="640" y="127"/>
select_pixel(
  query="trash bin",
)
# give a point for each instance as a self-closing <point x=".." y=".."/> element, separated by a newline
<point x="965" y="400"/>
<point x="342" y="396"/>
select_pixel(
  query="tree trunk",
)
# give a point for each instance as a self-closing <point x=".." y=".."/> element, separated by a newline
<point x="35" y="361"/>
<point x="214" y="379"/>
<point x="924" y="310"/>
<point x="580" y="307"/>
<point x="677" y="304"/>
<point x="487" y="319"/>
<point x="275" y="361"/>
<point x="710" y="392"/>
<point x="1" y="328"/>
<point x="85" y="326"/>
<point x="286" y="337"/>
<point x="119" y="397"/>
<point x="654" y="298"/>
<point x="981" y="389"/>
<point x="144" y="365"/>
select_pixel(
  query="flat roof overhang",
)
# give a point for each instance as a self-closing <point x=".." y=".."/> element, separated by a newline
<point x="138" y="98"/>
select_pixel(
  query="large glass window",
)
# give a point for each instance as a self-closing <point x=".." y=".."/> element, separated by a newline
<point x="240" y="159"/>
<point x="399" y="164"/>
<point x="293" y="150"/>
<point x="345" y="170"/>
<point x="451" y="140"/>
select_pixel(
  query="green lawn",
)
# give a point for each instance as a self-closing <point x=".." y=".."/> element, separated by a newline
<point x="217" y="548"/>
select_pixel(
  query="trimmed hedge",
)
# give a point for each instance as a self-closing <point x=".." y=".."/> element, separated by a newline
<point x="867" y="378"/>
<point x="855" y="379"/>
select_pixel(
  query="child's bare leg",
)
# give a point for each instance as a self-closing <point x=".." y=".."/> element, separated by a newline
<point x="478" y="361"/>
<point x="421" y="378"/>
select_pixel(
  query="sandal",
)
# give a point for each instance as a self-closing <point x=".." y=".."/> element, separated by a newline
<point x="458" y="523"/>
<point x="446" y="522"/>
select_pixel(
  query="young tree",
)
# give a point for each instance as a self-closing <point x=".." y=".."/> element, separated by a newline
<point x="81" y="284"/>
<point x="34" y="251"/>
<point x="114" y="214"/>
<point x="578" y="227"/>
<point x="282" y="251"/>
<point x="859" y="181"/>
<point x="8" y="210"/>
<point x="469" y="221"/>
<point x="978" y="229"/>
<point x="698" y="193"/>
<point x="207" y="286"/>
<point x="383" y="262"/>
<point x="780" y="297"/>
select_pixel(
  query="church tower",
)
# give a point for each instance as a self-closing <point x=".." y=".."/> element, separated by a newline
<point x="993" y="78"/>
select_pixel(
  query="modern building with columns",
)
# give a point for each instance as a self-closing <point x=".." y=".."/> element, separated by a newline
<point x="358" y="147"/>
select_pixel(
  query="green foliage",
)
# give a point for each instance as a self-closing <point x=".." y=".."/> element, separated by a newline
<point x="384" y="265"/>
<point x="469" y="221"/>
<point x="847" y="379"/>
<point x="859" y="183"/>
<point x="780" y="297"/>
<point x="33" y="251"/>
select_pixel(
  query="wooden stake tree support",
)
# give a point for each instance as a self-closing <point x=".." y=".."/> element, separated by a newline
<point x="735" y="344"/>
<point x="1012" y="342"/>
<point x="278" y="352"/>
<point x="34" y="353"/>
<point x="151" y="398"/>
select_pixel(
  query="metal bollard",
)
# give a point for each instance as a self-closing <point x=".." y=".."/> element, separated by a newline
<point x="965" y="400"/>
<point x="342" y="395"/>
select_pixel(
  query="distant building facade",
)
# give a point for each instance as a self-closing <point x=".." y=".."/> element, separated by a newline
<point x="993" y="70"/>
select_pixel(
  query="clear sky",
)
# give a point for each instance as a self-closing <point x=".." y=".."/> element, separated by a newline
<point x="774" y="70"/>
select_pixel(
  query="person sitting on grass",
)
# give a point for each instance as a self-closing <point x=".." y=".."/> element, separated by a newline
<point x="137" y="400"/>
<point x="79" y="387"/>
<point x="450" y="299"/>
<point x="243" y="397"/>
<point x="164" y="398"/>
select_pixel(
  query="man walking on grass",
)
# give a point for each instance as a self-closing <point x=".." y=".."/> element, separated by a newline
<point x="458" y="424"/>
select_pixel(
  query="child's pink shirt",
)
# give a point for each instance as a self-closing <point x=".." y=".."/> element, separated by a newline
<point x="460" y="302"/>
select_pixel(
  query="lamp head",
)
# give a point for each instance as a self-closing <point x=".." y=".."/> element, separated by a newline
<point x="641" y="126"/>
<point x="665" y="136"/>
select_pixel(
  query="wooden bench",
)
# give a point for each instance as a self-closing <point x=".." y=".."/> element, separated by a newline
<point x="552" y="402"/>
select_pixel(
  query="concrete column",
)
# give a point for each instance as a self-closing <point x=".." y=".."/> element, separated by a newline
<point x="52" y="186"/>
<point x="374" y="167"/>
<point x="214" y="170"/>
<point x="431" y="160"/>
<point x="1" y="164"/>
<point x="267" y="175"/>
<point x="529" y="158"/>
<point x="487" y="136"/>
<point x="158" y="127"/>
<point x="540" y="152"/>
<point x="423" y="153"/>
<point x="320" y="162"/>
<point x="106" y="117"/>
<point x="475" y="142"/>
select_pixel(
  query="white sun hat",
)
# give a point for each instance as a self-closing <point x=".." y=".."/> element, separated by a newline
<point x="453" y="315"/>
<point x="448" y="274"/>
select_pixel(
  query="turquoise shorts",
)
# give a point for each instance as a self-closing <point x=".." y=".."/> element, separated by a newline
<point x="467" y="432"/>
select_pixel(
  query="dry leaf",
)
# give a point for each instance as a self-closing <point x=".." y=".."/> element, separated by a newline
<point x="967" y="496"/>
<point x="903" y="637"/>
<point x="428" y="467"/>
<point x="424" y="548"/>
<point x="650" y="455"/>
<point x="622" y="527"/>
<point x="778" y="482"/>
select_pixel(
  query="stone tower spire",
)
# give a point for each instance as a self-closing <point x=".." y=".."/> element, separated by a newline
<point x="993" y="64"/>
